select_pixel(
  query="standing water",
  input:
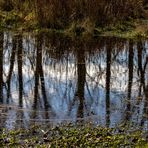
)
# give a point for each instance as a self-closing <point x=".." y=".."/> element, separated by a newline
<point x="55" y="79"/>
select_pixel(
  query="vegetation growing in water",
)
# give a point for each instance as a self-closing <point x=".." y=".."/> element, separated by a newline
<point x="74" y="136"/>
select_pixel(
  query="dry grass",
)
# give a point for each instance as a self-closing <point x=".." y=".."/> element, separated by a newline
<point x="63" y="13"/>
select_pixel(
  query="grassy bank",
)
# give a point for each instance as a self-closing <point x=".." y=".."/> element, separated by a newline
<point x="134" y="28"/>
<point x="123" y="18"/>
<point x="74" y="136"/>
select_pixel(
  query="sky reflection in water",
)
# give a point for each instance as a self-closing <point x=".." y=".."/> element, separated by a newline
<point x="54" y="78"/>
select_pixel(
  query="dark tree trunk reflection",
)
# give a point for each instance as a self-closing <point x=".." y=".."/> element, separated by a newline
<point x="145" y="108"/>
<point x="1" y="67"/>
<point x="140" y="68"/>
<point x="108" y="76"/>
<point x="20" y="75"/>
<point x="39" y="77"/>
<point x="36" y="85"/>
<point x="130" y="79"/>
<point x="12" y="60"/>
<point x="145" y="89"/>
<point x="81" y="72"/>
<point x="36" y="76"/>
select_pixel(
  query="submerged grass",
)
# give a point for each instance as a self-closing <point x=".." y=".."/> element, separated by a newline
<point x="74" y="136"/>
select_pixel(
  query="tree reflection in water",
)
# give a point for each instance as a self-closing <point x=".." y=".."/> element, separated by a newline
<point x="108" y="77"/>
<point x="20" y="64"/>
<point x="56" y="78"/>
<point x="81" y="74"/>
<point x="12" y="60"/>
<point x="1" y="67"/>
<point x="130" y="79"/>
<point x="39" y="79"/>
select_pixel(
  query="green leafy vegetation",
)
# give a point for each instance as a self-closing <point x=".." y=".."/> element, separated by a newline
<point x="74" y="136"/>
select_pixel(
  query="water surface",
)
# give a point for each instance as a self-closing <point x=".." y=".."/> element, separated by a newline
<point x="55" y="79"/>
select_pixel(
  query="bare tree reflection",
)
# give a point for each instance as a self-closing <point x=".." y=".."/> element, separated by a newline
<point x="140" y="68"/>
<point x="145" y="108"/>
<point x="101" y="78"/>
<point x="81" y="72"/>
<point x="19" y="62"/>
<point x="108" y="76"/>
<point x="39" y="75"/>
<point x="20" y="114"/>
<point x="145" y="89"/>
<point x="1" y="67"/>
<point x="12" y="60"/>
<point x="130" y="79"/>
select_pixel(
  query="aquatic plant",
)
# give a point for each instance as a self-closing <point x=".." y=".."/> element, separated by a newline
<point x="73" y="136"/>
